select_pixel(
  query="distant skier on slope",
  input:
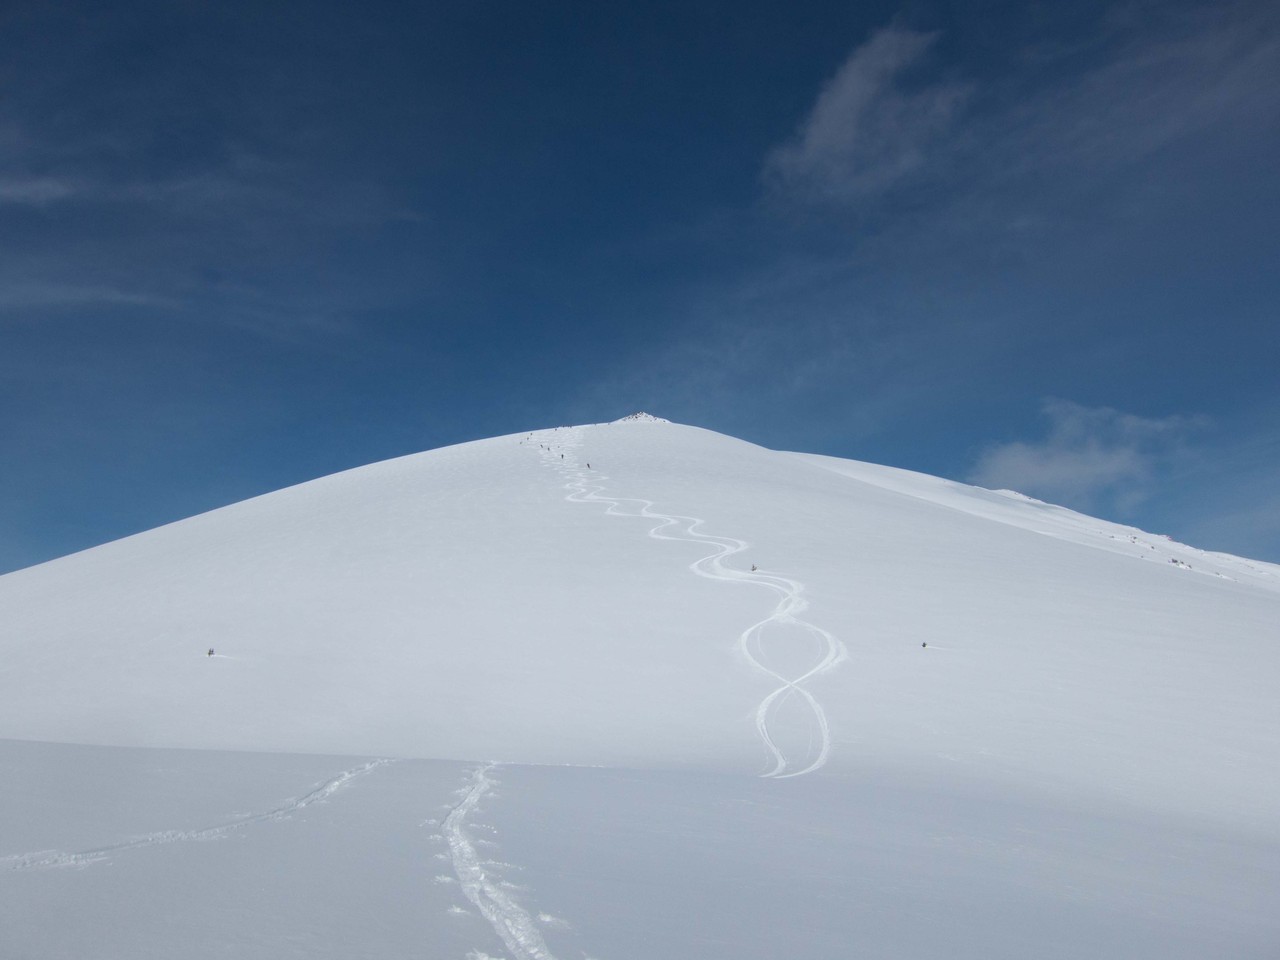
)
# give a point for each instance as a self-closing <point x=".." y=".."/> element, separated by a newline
<point x="210" y="653"/>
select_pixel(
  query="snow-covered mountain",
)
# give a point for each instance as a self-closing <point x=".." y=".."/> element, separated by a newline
<point x="634" y="640"/>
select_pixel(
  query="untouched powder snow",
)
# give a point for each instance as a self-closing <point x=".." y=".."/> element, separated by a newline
<point x="702" y="698"/>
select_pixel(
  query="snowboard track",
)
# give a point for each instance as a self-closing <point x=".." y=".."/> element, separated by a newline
<point x="46" y="858"/>
<point x="511" y="922"/>
<point x="587" y="486"/>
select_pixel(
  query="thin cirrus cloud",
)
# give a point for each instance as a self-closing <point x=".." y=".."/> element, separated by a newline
<point x="1043" y="131"/>
<point x="1092" y="456"/>
<point x="35" y="294"/>
<point x="865" y="132"/>
<point x="34" y="191"/>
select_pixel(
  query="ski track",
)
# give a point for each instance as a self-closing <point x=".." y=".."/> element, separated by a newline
<point x="44" y="858"/>
<point x="511" y="922"/>
<point x="587" y="486"/>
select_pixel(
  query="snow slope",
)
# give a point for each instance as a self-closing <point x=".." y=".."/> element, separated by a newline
<point x="738" y="634"/>
<point x="432" y="859"/>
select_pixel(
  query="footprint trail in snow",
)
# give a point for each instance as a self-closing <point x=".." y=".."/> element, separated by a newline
<point x="515" y="927"/>
<point x="46" y="858"/>
<point x="816" y="648"/>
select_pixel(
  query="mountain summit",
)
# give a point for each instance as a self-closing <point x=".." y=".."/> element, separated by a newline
<point x="641" y="417"/>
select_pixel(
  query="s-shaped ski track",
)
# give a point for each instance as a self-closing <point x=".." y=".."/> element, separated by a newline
<point x="586" y="486"/>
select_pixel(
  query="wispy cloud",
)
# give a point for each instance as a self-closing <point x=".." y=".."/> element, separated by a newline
<point x="1162" y="80"/>
<point x="1093" y="457"/>
<point x="234" y="243"/>
<point x="867" y="130"/>
<point x="34" y="294"/>
<point x="238" y="187"/>
<point x="787" y="357"/>
<point x="1045" y="131"/>
<point x="34" y="191"/>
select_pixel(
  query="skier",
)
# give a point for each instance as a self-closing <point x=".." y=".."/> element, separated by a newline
<point x="210" y="652"/>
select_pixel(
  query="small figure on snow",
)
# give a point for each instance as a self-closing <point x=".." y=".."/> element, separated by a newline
<point x="923" y="645"/>
<point x="754" y="568"/>
<point x="210" y="653"/>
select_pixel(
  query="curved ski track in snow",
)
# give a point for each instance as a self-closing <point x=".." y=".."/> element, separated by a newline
<point x="44" y="858"/>
<point x="513" y="925"/>
<point x="587" y="488"/>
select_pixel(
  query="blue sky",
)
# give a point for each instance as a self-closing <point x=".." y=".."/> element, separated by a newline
<point x="1024" y="245"/>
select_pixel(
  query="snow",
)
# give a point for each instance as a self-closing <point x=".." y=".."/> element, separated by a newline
<point x="649" y="691"/>
<point x="641" y="417"/>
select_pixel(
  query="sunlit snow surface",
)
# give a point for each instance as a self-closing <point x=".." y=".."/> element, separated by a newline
<point x="606" y="735"/>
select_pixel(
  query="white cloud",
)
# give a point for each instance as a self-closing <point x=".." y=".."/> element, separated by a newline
<point x="866" y="130"/>
<point x="1092" y="457"/>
